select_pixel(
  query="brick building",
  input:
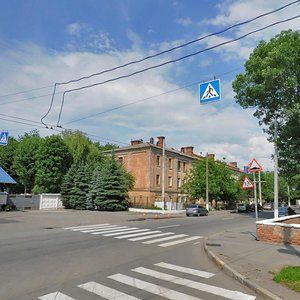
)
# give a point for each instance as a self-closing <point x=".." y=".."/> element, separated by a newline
<point x="144" y="160"/>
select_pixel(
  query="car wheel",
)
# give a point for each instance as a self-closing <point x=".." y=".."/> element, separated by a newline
<point x="187" y="215"/>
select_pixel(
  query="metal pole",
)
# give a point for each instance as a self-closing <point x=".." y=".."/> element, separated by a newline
<point x="275" y="173"/>
<point x="255" y="197"/>
<point x="163" y="177"/>
<point x="259" y="187"/>
<point x="207" y="196"/>
<point x="289" y="195"/>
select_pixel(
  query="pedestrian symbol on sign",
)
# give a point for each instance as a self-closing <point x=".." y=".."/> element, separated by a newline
<point x="3" y="138"/>
<point x="247" y="183"/>
<point x="210" y="92"/>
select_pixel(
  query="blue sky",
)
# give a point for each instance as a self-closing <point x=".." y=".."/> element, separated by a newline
<point x="43" y="42"/>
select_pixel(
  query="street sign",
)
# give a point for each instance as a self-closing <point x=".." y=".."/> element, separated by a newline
<point x="247" y="183"/>
<point x="210" y="91"/>
<point x="255" y="166"/>
<point x="246" y="169"/>
<point x="3" y="138"/>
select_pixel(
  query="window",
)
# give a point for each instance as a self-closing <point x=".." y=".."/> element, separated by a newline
<point x="170" y="163"/>
<point x="157" y="180"/>
<point x="184" y="167"/>
<point x="158" y="160"/>
<point x="120" y="159"/>
<point x="179" y="166"/>
<point x="170" y="181"/>
<point x="179" y="182"/>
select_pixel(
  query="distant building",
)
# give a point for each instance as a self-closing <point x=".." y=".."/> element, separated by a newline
<point x="144" y="160"/>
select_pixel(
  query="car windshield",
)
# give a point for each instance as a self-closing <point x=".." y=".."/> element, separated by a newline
<point x="193" y="206"/>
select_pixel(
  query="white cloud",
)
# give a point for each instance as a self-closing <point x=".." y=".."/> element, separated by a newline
<point x="184" y="21"/>
<point x="224" y="129"/>
<point x="233" y="12"/>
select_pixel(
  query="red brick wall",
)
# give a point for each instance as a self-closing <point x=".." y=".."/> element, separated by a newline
<point x="278" y="234"/>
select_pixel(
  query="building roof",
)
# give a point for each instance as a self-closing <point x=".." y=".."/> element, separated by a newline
<point x="5" y="178"/>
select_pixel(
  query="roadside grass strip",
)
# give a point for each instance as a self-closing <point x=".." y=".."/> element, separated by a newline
<point x="289" y="276"/>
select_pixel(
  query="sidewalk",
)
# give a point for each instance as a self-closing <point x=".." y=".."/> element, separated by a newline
<point x="252" y="262"/>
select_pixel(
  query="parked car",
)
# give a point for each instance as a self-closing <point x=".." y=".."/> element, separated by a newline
<point x="259" y="207"/>
<point x="196" y="210"/>
<point x="268" y="206"/>
<point x="243" y="207"/>
<point x="285" y="211"/>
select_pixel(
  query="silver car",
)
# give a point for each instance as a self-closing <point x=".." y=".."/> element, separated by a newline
<point x="196" y="210"/>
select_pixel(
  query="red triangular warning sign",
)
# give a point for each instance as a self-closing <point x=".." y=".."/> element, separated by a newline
<point x="254" y="166"/>
<point x="247" y="183"/>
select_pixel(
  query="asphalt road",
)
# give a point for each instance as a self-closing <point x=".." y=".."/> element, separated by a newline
<point x="41" y="257"/>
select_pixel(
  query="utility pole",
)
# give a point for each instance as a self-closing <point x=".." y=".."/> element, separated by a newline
<point x="255" y="197"/>
<point x="275" y="173"/>
<point x="259" y="187"/>
<point x="207" y="197"/>
<point x="163" y="177"/>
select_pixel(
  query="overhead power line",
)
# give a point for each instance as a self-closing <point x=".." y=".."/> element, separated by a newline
<point x="167" y="62"/>
<point x="148" y="98"/>
<point x="160" y="53"/>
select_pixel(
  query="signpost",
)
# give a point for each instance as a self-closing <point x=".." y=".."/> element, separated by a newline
<point x="4" y="138"/>
<point x="210" y="91"/>
<point x="253" y="168"/>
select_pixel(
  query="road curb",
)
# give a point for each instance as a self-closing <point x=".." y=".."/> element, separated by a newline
<point x="238" y="276"/>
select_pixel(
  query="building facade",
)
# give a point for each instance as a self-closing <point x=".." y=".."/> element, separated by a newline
<point x="159" y="172"/>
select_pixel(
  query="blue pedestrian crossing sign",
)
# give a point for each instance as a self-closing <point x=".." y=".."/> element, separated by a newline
<point x="210" y="91"/>
<point x="3" y="138"/>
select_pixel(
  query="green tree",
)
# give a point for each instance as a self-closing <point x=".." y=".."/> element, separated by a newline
<point x="53" y="161"/>
<point x="223" y="184"/>
<point x="80" y="188"/>
<point x="25" y="158"/>
<point x="67" y="185"/>
<point x="112" y="188"/>
<point x="271" y="84"/>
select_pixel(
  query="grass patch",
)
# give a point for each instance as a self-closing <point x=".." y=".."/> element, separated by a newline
<point x="290" y="276"/>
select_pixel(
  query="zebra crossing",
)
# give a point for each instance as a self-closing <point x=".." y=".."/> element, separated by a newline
<point x="157" y="271"/>
<point x="135" y="234"/>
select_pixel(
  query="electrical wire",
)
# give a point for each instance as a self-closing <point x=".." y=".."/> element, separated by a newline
<point x="149" y="98"/>
<point x="160" y="53"/>
<point x="168" y="62"/>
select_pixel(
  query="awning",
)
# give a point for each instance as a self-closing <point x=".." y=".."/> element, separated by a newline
<point x="5" y="178"/>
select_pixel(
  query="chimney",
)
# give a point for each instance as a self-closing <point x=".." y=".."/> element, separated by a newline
<point x="211" y="156"/>
<point x="136" y="142"/>
<point x="189" y="150"/>
<point x="160" y="141"/>
<point x="233" y="164"/>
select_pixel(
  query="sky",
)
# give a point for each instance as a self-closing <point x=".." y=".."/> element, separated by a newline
<point x="43" y="42"/>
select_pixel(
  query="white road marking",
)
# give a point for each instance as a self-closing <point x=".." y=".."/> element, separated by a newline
<point x="106" y="292"/>
<point x="56" y="296"/>
<point x="234" y="295"/>
<point x="185" y="270"/>
<point x="136" y="234"/>
<point x="132" y="230"/>
<point x="168" y="226"/>
<point x="152" y="288"/>
<point x="84" y="226"/>
<point x="105" y="230"/>
<point x="165" y="239"/>
<point x="96" y="227"/>
<point x="120" y="231"/>
<point x="192" y="238"/>
<point x="150" y="236"/>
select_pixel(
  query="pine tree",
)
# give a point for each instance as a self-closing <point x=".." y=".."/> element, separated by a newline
<point x="111" y="191"/>
<point x="80" y="188"/>
<point x="67" y="184"/>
